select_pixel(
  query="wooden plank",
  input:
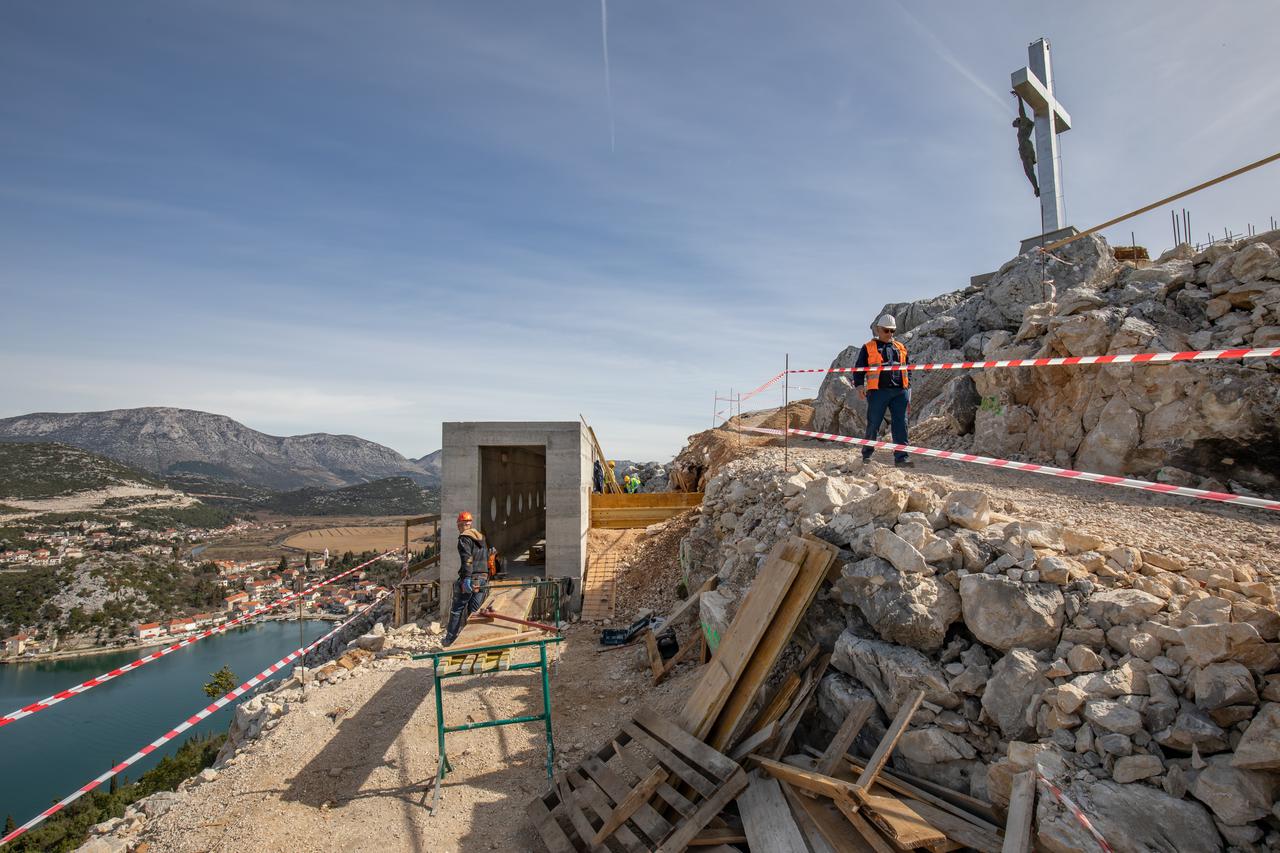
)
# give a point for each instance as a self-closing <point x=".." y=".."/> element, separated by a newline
<point x="849" y="809"/>
<point x="816" y="557"/>
<point x="643" y="500"/>
<point x="958" y="829"/>
<point x="835" y="830"/>
<point x="680" y="609"/>
<point x="655" y="656"/>
<point x="588" y="792"/>
<point x="799" y="777"/>
<point x="549" y="830"/>
<point x="903" y="825"/>
<point x="632" y="801"/>
<point x="896" y="729"/>
<point x="1022" y="804"/>
<point x="717" y="839"/>
<point x="758" y="739"/>
<point x="513" y="638"/>
<point x="892" y="780"/>
<point x="845" y="735"/>
<point x="752" y="620"/>
<point x="628" y="758"/>
<point x="571" y="807"/>
<point x="727" y="792"/>
<point x="766" y="819"/>
<point x="676" y="765"/>
<point x="599" y="587"/>
<point x="808" y="827"/>
<point x="716" y="764"/>
<point x="796" y="712"/>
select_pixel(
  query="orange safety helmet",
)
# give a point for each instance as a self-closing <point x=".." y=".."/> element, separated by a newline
<point x="464" y="516"/>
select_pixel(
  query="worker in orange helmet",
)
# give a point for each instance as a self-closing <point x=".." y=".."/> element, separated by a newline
<point x="468" y="589"/>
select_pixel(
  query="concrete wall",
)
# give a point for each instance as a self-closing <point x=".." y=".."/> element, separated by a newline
<point x="568" y="484"/>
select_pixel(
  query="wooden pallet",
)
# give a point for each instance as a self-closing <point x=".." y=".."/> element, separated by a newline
<point x="625" y="797"/>
<point x="600" y="587"/>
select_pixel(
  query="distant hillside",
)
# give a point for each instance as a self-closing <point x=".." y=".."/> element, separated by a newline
<point x="432" y="463"/>
<point x="390" y="496"/>
<point x="47" y="470"/>
<point x="172" y="442"/>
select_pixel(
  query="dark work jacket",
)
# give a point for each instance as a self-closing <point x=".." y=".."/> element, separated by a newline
<point x="472" y="554"/>
<point x="888" y="378"/>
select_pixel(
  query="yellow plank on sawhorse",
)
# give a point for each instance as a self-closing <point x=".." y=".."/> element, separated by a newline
<point x="477" y="663"/>
<point x="600" y="587"/>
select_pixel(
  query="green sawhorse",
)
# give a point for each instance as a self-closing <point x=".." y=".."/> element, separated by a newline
<point x="486" y="660"/>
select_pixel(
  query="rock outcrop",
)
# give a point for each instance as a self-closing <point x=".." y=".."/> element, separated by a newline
<point x="1211" y="424"/>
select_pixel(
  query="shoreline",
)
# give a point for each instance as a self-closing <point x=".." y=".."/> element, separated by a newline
<point x="94" y="651"/>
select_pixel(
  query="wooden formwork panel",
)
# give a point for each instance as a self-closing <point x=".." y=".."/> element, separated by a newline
<point x="642" y="510"/>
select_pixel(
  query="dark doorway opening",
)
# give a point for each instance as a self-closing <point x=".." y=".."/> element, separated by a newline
<point x="513" y="506"/>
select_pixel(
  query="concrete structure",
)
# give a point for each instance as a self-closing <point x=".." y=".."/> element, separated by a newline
<point x="1034" y="84"/>
<point x="523" y="481"/>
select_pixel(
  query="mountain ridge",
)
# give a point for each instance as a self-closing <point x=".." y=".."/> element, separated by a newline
<point x="167" y="440"/>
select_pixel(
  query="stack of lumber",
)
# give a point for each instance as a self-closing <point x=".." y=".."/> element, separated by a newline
<point x="727" y="774"/>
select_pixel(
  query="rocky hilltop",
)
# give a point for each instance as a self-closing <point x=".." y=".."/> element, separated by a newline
<point x="1211" y="424"/>
<point x="171" y="441"/>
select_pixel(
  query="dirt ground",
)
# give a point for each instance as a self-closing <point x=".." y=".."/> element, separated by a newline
<point x="350" y="769"/>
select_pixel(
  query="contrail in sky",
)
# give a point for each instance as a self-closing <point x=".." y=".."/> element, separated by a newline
<point x="608" y="83"/>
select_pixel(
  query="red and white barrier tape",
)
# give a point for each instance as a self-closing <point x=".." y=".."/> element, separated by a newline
<point x="750" y="394"/>
<point x="1076" y="811"/>
<point x="84" y="686"/>
<point x="1033" y="468"/>
<point x="1120" y="358"/>
<point x="184" y="725"/>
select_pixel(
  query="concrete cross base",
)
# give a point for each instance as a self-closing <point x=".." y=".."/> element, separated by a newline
<point x="1045" y="239"/>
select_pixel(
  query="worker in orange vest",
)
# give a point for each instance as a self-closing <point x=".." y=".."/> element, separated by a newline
<point x="886" y="390"/>
<point x="468" y="589"/>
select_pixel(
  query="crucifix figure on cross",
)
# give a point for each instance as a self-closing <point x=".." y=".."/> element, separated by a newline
<point x="1034" y="85"/>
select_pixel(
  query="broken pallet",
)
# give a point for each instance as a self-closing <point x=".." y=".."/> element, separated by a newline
<point x="624" y="797"/>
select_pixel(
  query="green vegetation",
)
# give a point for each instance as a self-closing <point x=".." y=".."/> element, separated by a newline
<point x="46" y="470"/>
<point x="388" y="496"/>
<point x="69" y="828"/>
<point x="15" y="539"/>
<point x="6" y="509"/>
<point x="23" y="594"/>
<point x="198" y="515"/>
<point x="224" y="681"/>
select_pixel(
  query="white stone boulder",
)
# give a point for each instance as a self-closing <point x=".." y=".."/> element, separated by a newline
<point x="1006" y="614"/>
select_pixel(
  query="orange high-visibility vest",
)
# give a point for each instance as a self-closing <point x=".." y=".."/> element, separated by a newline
<point x="874" y="359"/>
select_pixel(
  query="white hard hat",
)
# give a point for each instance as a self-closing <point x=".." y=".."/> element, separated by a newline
<point x="886" y="321"/>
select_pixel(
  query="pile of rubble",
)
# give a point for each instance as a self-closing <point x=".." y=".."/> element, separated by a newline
<point x="1144" y="684"/>
<point x="1212" y="425"/>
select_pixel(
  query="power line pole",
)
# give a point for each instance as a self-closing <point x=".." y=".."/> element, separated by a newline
<point x="786" y="413"/>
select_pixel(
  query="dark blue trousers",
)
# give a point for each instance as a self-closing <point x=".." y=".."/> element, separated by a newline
<point x="894" y="401"/>
<point x="464" y="604"/>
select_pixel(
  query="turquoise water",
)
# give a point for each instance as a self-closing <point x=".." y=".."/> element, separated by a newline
<point x="46" y="756"/>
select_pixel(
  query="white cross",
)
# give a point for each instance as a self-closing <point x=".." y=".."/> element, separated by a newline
<point x="1034" y="84"/>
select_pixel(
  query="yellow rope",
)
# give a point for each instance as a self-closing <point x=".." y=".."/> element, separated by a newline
<point x="1228" y="176"/>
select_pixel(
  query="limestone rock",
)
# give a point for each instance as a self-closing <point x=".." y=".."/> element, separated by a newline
<point x="910" y="609"/>
<point x="932" y="745"/>
<point x="1123" y="606"/>
<point x="1113" y="716"/>
<point x="1015" y="680"/>
<point x="1133" y="819"/>
<point x="823" y="495"/>
<point x="1235" y="796"/>
<point x="1255" y="261"/>
<point x="1193" y="729"/>
<point x="891" y="672"/>
<point x="1208" y="644"/>
<point x="1259" y="749"/>
<point x="1083" y="659"/>
<point x="970" y="509"/>
<point x="1005" y="614"/>
<point x="892" y="547"/>
<point x="1221" y="684"/>
<point x="1131" y="768"/>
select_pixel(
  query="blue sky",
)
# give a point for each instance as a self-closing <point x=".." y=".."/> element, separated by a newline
<point x="371" y="218"/>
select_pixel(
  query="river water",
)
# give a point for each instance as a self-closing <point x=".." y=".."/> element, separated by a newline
<point x="46" y="756"/>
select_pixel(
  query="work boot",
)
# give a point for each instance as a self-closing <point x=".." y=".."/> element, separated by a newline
<point x="866" y="460"/>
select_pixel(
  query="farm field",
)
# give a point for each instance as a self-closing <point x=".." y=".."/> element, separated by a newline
<point x="358" y="538"/>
